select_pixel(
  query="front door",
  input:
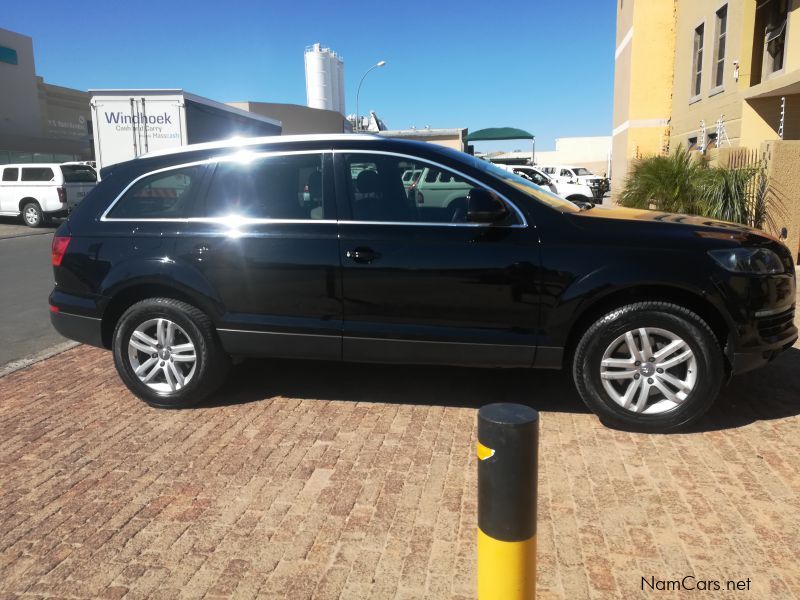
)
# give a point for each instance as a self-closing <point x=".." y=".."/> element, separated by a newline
<point x="423" y="285"/>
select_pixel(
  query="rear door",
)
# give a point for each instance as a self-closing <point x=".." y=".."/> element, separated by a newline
<point x="267" y="248"/>
<point x="422" y="285"/>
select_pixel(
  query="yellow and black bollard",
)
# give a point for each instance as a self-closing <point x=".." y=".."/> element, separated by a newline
<point x="508" y="443"/>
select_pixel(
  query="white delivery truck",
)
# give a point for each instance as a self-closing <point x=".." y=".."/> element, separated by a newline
<point x="131" y="123"/>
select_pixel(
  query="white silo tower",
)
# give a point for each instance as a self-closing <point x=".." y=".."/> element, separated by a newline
<point x="324" y="79"/>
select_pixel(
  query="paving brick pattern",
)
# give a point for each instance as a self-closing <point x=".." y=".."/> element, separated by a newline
<point x="306" y="480"/>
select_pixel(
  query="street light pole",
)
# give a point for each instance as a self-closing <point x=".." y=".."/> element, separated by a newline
<point x="380" y="63"/>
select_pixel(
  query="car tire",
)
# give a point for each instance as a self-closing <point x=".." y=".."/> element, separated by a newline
<point x="649" y="366"/>
<point x="168" y="354"/>
<point x="32" y="214"/>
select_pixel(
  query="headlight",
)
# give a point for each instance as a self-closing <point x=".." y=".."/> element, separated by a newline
<point x="755" y="261"/>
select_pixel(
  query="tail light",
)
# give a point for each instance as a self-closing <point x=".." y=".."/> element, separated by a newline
<point x="62" y="195"/>
<point x="60" y="244"/>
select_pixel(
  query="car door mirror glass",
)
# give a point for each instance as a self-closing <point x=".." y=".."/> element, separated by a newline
<point x="484" y="206"/>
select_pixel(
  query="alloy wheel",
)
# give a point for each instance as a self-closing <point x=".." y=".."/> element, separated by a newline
<point x="31" y="215"/>
<point x="649" y="370"/>
<point x="162" y="355"/>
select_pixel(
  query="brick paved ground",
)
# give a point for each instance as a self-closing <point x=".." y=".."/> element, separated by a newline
<point x="313" y="480"/>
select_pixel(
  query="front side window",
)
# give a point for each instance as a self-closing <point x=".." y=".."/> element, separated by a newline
<point x="10" y="174"/>
<point x="719" y="50"/>
<point x="697" y="60"/>
<point x="166" y="195"/>
<point x="566" y="173"/>
<point x="37" y="174"/>
<point x="288" y="187"/>
<point x="377" y="192"/>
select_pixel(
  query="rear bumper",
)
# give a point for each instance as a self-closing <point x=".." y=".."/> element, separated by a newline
<point x="87" y="330"/>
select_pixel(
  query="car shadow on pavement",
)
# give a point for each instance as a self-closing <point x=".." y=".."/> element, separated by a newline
<point x="401" y="384"/>
<point x="772" y="392"/>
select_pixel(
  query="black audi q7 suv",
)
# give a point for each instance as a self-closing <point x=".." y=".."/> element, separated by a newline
<point x="324" y="248"/>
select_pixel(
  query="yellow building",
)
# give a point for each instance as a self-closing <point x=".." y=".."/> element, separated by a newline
<point x="710" y="74"/>
<point x="705" y="74"/>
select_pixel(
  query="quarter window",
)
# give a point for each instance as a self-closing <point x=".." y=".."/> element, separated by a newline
<point x="166" y="195"/>
<point x="10" y="174"/>
<point x="37" y="174"/>
<point x="378" y="192"/>
<point x="274" y="187"/>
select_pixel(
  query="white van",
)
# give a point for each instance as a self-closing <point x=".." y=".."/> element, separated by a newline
<point x="39" y="191"/>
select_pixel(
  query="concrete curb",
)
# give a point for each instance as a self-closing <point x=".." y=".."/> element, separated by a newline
<point x="31" y="359"/>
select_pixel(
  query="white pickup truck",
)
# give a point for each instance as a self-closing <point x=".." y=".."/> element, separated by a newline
<point x="39" y="191"/>
<point x="574" y="191"/>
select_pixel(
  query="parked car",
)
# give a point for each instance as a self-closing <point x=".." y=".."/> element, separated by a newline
<point x="39" y="191"/>
<point x="180" y="260"/>
<point x="575" y="192"/>
<point x="577" y="175"/>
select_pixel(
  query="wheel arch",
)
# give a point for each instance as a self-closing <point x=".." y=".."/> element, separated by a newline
<point x="695" y="302"/>
<point x="127" y="297"/>
<point x="28" y="199"/>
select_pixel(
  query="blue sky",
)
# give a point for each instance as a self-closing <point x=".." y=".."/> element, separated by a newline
<point x="543" y="66"/>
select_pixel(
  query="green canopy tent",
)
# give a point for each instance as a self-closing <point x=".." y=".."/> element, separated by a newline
<point x="504" y="133"/>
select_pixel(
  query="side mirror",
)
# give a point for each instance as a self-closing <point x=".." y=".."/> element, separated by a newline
<point x="484" y="206"/>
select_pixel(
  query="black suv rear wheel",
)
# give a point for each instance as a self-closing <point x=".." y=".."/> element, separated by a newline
<point x="650" y="366"/>
<point x="167" y="353"/>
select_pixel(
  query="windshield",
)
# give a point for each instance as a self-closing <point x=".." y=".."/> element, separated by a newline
<point x="78" y="174"/>
<point x="581" y="171"/>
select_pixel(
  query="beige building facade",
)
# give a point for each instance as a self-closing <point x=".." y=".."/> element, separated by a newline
<point x="711" y="76"/>
<point x="704" y="74"/>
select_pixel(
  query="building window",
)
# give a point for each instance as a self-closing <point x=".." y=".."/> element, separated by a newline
<point x="769" y="39"/>
<point x="8" y="55"/>
<point x="697" y="62"/>
<point x="719" y="49"/>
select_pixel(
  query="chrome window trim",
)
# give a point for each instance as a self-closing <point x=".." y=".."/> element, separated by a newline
<point x="522" y="224"/>
<point x="260" y="221"/>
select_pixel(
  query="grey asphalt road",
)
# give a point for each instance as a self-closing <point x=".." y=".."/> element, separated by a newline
<point x="26" y="279"/>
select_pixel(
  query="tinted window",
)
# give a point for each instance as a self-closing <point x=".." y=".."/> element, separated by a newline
<point x="78" y="174"/>
<point x="275" y="187"/>
<point x="10" y="174"/>
<point x="37" y="174"/>
<point x="376" y="191"/>
<point x="167" y="195"/>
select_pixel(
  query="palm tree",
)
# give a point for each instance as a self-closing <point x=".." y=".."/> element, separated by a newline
<point x="668" y="183"/>
<point x="683" y="184"/>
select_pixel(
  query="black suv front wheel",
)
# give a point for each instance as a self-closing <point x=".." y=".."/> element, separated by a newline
<point x="167" y="353"/>
<point x="650" y="366"/>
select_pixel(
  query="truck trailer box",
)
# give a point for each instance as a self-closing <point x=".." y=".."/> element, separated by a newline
<point x="130" y="123"/>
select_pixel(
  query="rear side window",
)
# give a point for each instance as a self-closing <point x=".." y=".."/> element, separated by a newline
<point x="78" y="174"/>
<point x="37" y="174"/>
<point x="166" y="195"/>
<point x="10" y="174"/>
<point x="273" y="187"/>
